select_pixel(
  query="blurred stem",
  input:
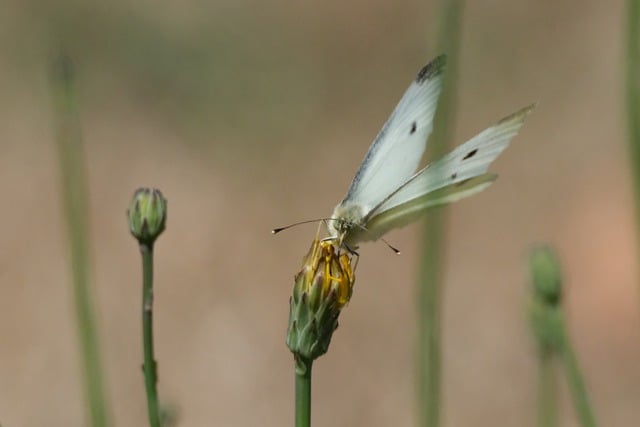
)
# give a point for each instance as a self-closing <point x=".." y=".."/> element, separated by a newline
<point x="303" y="393"/>
<point x="576" y="383"/>
<point x="74" y="194"/>
<point x="429" y="286"/>
<point x="632" y="92"/>
<point x="547" y="388"/>
<point x="149" y="367"/>
<point x="429" y="323"/>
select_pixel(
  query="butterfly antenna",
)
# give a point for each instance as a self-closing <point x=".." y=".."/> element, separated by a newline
<point x="286" y="227"/>
<point x="389" y="245"/>
<point x="393" y="248"/>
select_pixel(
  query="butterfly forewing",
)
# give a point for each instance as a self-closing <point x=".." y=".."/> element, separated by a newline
<point x="396" y="152"/>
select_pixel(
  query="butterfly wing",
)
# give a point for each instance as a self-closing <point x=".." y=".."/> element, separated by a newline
<point x="396" y="152"/>
<point x="457" y="175"/>
<point x="466" y="161"/>
<point x="410" y="211"/>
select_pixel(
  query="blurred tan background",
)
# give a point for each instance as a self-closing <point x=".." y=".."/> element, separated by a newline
<point x="250" y="115"/>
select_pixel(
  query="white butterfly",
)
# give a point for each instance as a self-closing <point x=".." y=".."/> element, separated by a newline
<point x="388" y="193"/>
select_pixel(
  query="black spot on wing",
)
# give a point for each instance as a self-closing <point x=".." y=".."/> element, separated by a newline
<point x="414" y="126"/>
<point x="454" y="175"/>
<point x="470" y="154"/>
<point x="432" y="69"/>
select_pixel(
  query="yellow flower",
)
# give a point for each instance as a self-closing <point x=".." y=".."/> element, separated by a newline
<point x="322" y="287"/>
<point x="326" y="269"/>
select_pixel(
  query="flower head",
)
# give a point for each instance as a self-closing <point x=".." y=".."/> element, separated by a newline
<point x="147" y="215"/>
<point x="545" y="309"/>
<point x="546" y="276"/>
<point x="321" y="288"/>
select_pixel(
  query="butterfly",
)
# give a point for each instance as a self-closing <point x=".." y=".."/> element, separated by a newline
<point x="388" y="193"/>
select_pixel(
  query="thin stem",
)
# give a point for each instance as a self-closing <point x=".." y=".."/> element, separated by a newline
<point x="547" y="389"/>
<point x="429" y="283"/>
<point x="74" y="194"/>
<point x="303" y="394"/>
<point x="429" y="300"/>
<point x="576" y="383"/>
<point x="149" y="367"/>
<point x="632" y="97"/>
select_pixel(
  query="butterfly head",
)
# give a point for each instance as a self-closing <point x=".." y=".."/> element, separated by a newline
<point x="347" y="220"/>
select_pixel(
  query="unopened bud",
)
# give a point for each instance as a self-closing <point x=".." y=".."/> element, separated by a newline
<point x="147" y="215"/>
<point x="546" y="275"/>
<point x="545" y="310"/>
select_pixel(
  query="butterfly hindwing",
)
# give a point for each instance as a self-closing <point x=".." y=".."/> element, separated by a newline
<point x="408" y="212"/>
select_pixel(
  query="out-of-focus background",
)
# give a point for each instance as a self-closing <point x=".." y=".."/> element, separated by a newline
<point x="250" y="115"/>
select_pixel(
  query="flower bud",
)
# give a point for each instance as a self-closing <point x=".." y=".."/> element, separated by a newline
<point x="147" y="215"/>
<point x="545" y="310"/>
<point x="546" y="276"/>
<point x="321" y="289"/>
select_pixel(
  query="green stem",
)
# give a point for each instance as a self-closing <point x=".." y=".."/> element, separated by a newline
<point x="74" y="194"/>
<point x="149" y="367"/>
<point x="547" y="389"/>
<point x="303" y="393"/>
<point x="429" y="323"/>
<point x="632" y="97"/>
<point x="429" y="283"/>
<point x="576" y="383"/>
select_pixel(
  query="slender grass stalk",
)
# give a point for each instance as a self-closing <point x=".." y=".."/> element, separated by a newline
<point x="429" y="282"/>
<point x="149" y="366"/>
<point x="576" y="383"/>
<point x="74" y="195"/>
<point x="303" y="395"/>
<point x="632" y="97"/>
<point x="429" y="347"/>
<point x="547" y="389"/>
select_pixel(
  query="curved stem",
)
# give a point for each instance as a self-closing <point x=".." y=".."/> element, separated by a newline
<point x="149" y="366"/>
<point x="303" y="394"/>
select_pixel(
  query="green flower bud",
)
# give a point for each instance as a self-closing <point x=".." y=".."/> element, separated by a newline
<point x="546" y="275"/>
<point x="321" y="289"/>
<point x="147" y="215"/>
<point x="545" y="310"/>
